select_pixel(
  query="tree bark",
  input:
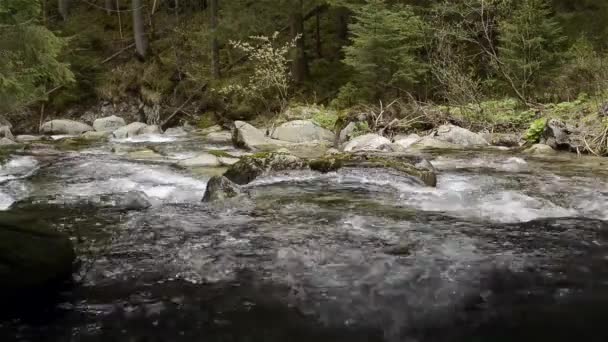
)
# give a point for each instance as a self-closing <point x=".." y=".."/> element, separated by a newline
<point x="319" y="45"/>
<point x="109" y="6"/>
<point x="215" y="46"/>
<point x="139" y="33"/>
<point x="64" y="8"/>
<point x="299" y="62"/>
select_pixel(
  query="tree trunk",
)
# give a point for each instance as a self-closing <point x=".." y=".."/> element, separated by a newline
<point x="299" y="62"/>
<point x="64" y="8"/>
<point x="139" y="33"/>
<point x="215" y="46"/>
<point x="318" y="35"/>
<point x="109" y="6"/>
<point x="342" y="18"/>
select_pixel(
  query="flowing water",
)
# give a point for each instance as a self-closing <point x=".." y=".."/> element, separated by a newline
<point x="506" y="248"/>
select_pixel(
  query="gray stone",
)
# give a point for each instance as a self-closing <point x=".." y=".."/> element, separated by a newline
<point x="176" y="131"/>
<point x="540" y="149"/>
<point x="151" y="129"/>
<point x="146" y="154"/>
<point x="407" y="141"/>
<point x="299" y="131"/>
<point x="212" y="129"/>
<point x="432" y="143"/>
<point x="5" y="132"/>
<point x="202" y="160"/>
<point x="220" y="188"/>
<point x="220" y="138"/>
<point x="367" y="142"/>
<point x="347" y="132"/>
<point x="227" y="161"/>
<point x="249" y="168"/>
<point x="459" y="136"/>
<point x="559" y="136"/>
<point x="246" y="136"/>
<point x="130" y="130"/>
<point x="27" y="138"/>
<point x="94" y="135"/>
<point x="132" y="200"/>
<point x="503" y="139"/>
<point x="108" y="124"/>
<point x="7" y="142"/>
<point x="67" y="127"/>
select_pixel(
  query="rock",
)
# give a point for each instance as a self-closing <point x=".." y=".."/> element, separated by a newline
<point x="220" y="138"/>
<point x="130" y="130"/>
<point x="346" y="133"/>
<point x="176" y="131"/>
<point x="67" y="127"/>
<point x="246" y="136"/>
<point x="109" y="124"/>
<point x="5" y="132"/>
<point x="249" y="168"/>
<point x="407" y="141"/>
<point x="557" y="135"/>
<point x="227" y="161"/>
<point x="151" y="129"/>
<point x="7" y="142"/>
<point x="146" y="154"/>
<point x="132" y="200"/>
<point x="220" y="188"/>
<point x="503" y="139"/>
<point x="300" y="131"/>
<point x="97" y="135"/>
<point x="413" y="166"/>
<point x="202" y="160"/>
<point x="332" y="151"/>
<point x="27" y="138"/>
<point x="540" y="149"/>
<point x="459" y="136"/>
<point x="367" y="142"/>
<point x="34" y="258"/>
<point x="431" y="142"/>
<point x="212" y="129"/>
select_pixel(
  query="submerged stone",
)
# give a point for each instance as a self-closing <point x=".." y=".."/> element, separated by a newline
<point x="250" y="167"/>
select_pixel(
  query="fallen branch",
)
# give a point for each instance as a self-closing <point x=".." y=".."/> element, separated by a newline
<point x="117" y="53"/>
<point x="179" y="109"/>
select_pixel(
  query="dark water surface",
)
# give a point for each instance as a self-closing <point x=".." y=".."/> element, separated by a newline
<point x="506" y="248"/>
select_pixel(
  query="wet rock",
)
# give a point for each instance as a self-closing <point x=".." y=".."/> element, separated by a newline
<point x="299" y="131"/>
<point x="151" y="129"/>
<point x="212" y="129"/>
<point x="459" y="136"/>
<point x="346" y="133"/>
<point x="540" y="149"/>
<point x="28" y="138"/>
<point x="94" y="135"/>
<point x="558" y="136"/>
<point x="220" y="138"/>
<point x="407" y="141"/>
<point x="5" y="132"/>
<point x="220" y="188"/>
<point x="414" y="166"/>
<point x="176" y="131"/>
<point x="109" y="124"/>
<point x="367" y="142"/>
<point x="67" y="127"/>
<point x="130" y="130"/>
<point x="146" y="154"/>
<point x="249" y="168"/>
<point x="33" y="257"/>
<point x="7" y="142"/>
<point x="228" y="161"/>
<point x="127" y="201"/>
<point x="202" y="160"/>
<point x="132" y="200"/>
<point x="246" y="136"/>
<point x="503" y="139"/>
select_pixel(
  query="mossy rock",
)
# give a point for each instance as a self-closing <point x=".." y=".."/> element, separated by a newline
<point x="220" y="188"/>
<point x="250" y="167"/>
<point x="414" y="166"/>
<point x="33" y="256"/>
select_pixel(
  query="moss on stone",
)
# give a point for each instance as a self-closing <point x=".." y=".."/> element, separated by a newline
<point x="220" y="154"/>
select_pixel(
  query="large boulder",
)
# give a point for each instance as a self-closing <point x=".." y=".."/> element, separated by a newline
<point x="430" y="142"/>
<point x="558" y="136"/>
<point x="367" y="142"/>
<point x="67" y="127"/>
<point x="407" y="141"/>
<point x="250" y="167"/>
<point x="459" y="136"/>
<point x="413" y="166"/>
<point x="299" y="131"/>
<point x="151" y="129"/>
<point x="5" y="132"/>
<point x="220" y="188"/>
<point x="33" y="257"/>
<point x="130" y="130"/>
<point x="125" y="201"/>
<point x="7" y="142"/>
<point x="109" y="123"/>
<point x="246" y="136"/>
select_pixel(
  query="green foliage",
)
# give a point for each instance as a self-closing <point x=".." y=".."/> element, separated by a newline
<point x="325" y="118"/>
<point x="29" y="52"/>
<point x="361" y="128"/>
<point x="386" y="41"/>
<point x="536" y="130"/>
<point x="530" y="44"/>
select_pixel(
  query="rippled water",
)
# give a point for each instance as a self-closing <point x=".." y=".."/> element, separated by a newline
<point x="506" y="248"/>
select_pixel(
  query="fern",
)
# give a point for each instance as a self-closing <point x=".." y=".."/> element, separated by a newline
<point x="536" y="130"/>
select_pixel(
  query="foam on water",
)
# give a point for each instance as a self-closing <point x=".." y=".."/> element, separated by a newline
<point x="151" y="138"/>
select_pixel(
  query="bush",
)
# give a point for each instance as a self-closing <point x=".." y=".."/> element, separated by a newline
<point x="536" y="130"/>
